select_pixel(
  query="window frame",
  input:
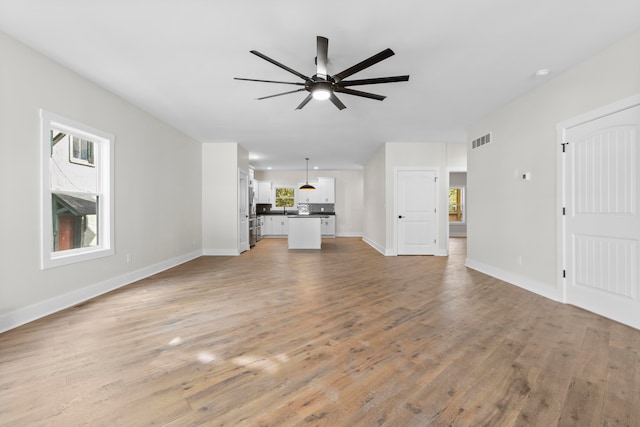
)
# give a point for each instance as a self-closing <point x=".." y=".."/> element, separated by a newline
<point x="104" y="144"/>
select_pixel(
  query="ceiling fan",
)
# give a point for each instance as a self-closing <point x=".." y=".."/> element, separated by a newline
<point x="324" y="86"/>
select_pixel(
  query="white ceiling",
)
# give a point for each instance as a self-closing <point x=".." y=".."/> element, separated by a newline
<point x="177" y="58"/>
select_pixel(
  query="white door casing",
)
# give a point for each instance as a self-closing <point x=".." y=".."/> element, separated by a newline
<point x="416" y="212"/>
<point x="601" y="227"/>
<point x="243" y="212"/>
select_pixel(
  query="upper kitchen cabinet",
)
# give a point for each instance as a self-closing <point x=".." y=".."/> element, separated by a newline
<point x="263" y="192"/>
<point x="325" y="192"/>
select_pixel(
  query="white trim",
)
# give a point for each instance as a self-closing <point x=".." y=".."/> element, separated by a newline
<point x="541" y="288"/>
<point x="106" y="247"/>
<point x="561" y="131"/>
<point x="374" y="245"/>
<point x="36" y="311"/>
<point x="348" y="234"/>
<point x="220" y="252"/>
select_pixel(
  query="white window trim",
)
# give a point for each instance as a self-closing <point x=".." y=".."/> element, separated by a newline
<point x="105" y="246"/>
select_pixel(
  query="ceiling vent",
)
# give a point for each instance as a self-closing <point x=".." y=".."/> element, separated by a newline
<point x="479" y="142"/>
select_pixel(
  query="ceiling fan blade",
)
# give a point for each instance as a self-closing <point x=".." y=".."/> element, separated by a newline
<point x="364" y="64"/>
<point x="359" y="93"/>
<point x="374" y="81"/>
<point x="322" y="57"/>
<point x="304" y="102"/>
<point x="333" y="98"/>
<point x="280" y="94"/>
<point x="269" y="81"/>
<point x="278" y="64"/>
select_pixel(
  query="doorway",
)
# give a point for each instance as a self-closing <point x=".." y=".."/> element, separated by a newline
<point x="243" y="212"/>
<point x="600" y="223"/>
<point x="457" y="204"/>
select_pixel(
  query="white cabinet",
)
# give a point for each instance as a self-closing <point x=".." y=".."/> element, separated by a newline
<point x="328" y="226"/>
<point x="280" y="225"/>
<point x="263" y="192"/>
<point x="326" y="190"/>
<point x="275" y="225"/>
<point x="306" y="196"/>
<point x="264" y="229"/>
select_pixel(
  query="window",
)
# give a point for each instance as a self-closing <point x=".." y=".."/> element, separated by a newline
<point x="77" y="192"/>
<point x="456" y="204"/>
<point x="81" y="151"/>
<point x="285" y="197"/>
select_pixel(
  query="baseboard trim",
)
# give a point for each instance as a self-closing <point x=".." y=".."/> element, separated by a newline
<point x="36" y="311"/>
<point x="541" y="288"/>
<point x="348" y="234"/>
<point x="220" y="252"/>
<point x="374" y="245"/>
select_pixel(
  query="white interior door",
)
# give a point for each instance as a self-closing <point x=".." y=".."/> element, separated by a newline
<point x="243" y="212"/>
<point x="602" y="227"/>
<point x="416" y="216"/>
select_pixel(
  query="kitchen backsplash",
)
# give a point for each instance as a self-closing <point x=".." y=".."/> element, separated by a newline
<point x="316" y="208"/>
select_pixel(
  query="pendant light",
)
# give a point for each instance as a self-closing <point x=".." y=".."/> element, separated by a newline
<point x="307" y="186"/>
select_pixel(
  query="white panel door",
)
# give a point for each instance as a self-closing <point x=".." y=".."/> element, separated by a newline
<point x="602" y="228"/>
<point x="243" y="212"/>
<point x="417" y="220"/>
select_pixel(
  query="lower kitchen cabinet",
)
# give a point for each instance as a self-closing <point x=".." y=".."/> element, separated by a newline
<point x="328" y="226"/>
<point x="275" y="225"/>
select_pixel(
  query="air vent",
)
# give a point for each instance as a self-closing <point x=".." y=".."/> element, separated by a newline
<point x="479" y="142"/>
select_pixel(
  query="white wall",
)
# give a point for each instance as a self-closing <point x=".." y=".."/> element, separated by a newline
<point x="380" y="187"/>
<point x="512" y="228"/>
<point x="375" y="201"/>
<point x="349" y="193"/>
<point x="220" y="164"/>
<point x="427" y="155"/>
<point x="157" y="188"/>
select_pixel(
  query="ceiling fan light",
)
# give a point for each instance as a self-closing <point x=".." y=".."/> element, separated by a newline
<point x="321" y="94"/>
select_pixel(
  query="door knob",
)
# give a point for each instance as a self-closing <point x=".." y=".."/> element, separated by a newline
<point x="400" y="216"/>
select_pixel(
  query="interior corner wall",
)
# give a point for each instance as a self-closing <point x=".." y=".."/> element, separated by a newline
<point x="220" y="163"/>
<point x="457" y="157"/>
<point x="374" y="201"/>
<point x="427" y="155"/>
<point x="157" y="194"/>
<point x="513" y="223"/>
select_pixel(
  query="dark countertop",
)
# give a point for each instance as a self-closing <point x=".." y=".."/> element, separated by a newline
<point x="309" y="216"/>
<point x="290" y="213"/>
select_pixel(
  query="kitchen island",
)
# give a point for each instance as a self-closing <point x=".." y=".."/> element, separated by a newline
<point x="305" y="231"/>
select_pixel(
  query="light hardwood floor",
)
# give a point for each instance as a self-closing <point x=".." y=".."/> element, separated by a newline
<point x="341" y="337"/>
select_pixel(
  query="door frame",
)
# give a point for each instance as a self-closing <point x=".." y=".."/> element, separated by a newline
<point x="561" y="131"/>
<point x="242" y="231"/>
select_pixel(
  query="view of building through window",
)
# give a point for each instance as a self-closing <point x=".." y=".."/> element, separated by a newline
<point x="74" y="192"/>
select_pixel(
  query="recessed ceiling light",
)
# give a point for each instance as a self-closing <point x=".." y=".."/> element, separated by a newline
<point x="543" y="72"/>
<point x="315" y="167"/>
<point x="269" y="167"/>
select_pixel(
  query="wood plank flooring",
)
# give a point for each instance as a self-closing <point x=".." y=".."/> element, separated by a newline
<point x="338" y="337"/>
